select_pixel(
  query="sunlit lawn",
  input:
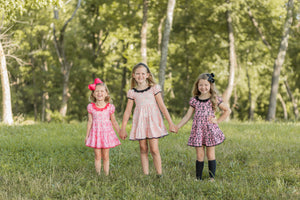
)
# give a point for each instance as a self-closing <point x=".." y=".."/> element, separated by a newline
<point x="50" y="161"/>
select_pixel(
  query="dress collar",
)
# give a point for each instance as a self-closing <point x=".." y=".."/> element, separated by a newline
<point x="144" y="90"/>
<point x="201" y="100"/>
<point x="99" y="109"/>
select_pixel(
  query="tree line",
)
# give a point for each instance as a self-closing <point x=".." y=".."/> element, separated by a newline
<point x="51" y="50"/>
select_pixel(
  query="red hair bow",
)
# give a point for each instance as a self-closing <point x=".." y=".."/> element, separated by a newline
<point x="93" y="86"/>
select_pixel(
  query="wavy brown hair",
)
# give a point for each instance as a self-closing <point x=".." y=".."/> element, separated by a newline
<point x="213" y="91"/>
<point x="107" y="98"/>
<point x="150" y="79"/>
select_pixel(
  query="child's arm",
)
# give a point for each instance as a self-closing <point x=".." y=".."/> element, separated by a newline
<point x="115" y="123"/>
<point x="165" y="111"/>
<point x="186" y="118"/>
<point x="126" y="116"/>
<point x="226" y="112"/>
<point x="89" y="126"/>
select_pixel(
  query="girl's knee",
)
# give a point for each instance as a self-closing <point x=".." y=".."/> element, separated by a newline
<point x="105" y="154"/>
<point x="97" y="157"/>
<point x="210" y="153"/>
<point x="144" y="149"/>
<point x="143" y="146"/>
<point x="154" y="151"/>
<point x="97" y="154"/>
<point x="105" y="158"/>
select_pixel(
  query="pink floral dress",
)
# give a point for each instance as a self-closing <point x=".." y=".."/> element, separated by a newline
<point x="102" y="134"/>
<point x="204" y="133"/>
<point x="147" y="121"/>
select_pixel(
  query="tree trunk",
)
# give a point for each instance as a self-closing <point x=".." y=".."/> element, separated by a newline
<point x="159" y="30"/>
<point x="251" y="107"/>
<point x="65" y="64"/>
<point x="144" y="32"/>
<point x="123" y="85"/>
<point x="232" y="59"/>
<point x="45" y="99"/>
<point x="255" y="23"/>
<point x="35" y="98"/>
<point x="285" y="115"/>
<point x="66" y="95"/>
<point x="35" y="95"/>
<point x="294" y="102"/>
<point x="165" y="43"/>
<point x="6" y="97"/>
<point x="187" y="90"/>
<point x="279" y="61"/>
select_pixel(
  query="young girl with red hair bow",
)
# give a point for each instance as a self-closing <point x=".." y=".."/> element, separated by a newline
<point x="100" y="134"/>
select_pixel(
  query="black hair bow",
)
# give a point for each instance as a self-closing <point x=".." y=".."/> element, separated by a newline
<point x="211" y="77"/>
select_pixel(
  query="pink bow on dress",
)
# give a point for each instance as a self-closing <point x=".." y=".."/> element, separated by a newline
<point x="93" y="86"/>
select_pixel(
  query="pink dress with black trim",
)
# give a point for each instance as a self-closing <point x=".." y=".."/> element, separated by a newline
<point x="102" y="134"/>
<point x="147" y="121"/>
<point x="204" y="133"/>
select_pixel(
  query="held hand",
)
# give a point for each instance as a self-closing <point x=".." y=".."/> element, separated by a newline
<point x="172" y="128"/>
<point x="213" y="120"/>
<point x="123" y="134"/>
<point x="176" y="129"/>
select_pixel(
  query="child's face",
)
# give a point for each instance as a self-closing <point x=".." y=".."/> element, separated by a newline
<point x="204" y="86"/>
<point x="100" y="93"/>
<point x="140" y="75"/>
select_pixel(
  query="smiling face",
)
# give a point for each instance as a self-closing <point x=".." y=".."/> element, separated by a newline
<point x="100" y="93"/>
<point x="204" y="86"/>
<point x="140" y="75"/>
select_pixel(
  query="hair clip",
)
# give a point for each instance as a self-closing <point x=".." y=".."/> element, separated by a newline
<point x="93" y="86"/>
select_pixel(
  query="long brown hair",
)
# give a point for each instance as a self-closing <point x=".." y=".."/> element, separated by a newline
<point x="213" y="91"/>
<point x="150" y="79"/>
<point x="107" y="98"/>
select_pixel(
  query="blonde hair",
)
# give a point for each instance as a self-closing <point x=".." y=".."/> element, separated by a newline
<point x="107" y="98"/>
<point x="213" y="91"/>
<point x="150" y="79"/>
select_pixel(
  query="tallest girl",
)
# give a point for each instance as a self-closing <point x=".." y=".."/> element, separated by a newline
<point x="147" y="122"/>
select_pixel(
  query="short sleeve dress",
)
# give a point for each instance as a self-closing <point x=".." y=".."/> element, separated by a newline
<point x="147" y="121"/>
<point x="102" y="134"/>
<point x="204" y="133"/>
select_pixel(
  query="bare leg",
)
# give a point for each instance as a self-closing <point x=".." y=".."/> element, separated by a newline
<point x="105" y="158"/>
<point x="210" y="153"/>
<point x="98" y="160"/>
<point x="144" y="156"/>
<point x="200" y="153"/>
<point x="156" y="155"/>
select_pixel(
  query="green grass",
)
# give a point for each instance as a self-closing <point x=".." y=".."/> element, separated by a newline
<point x="50" y="161"/>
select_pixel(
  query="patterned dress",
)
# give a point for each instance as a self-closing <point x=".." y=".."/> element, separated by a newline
<point x="102" y="134"/>
<point x="147" y="121"/>
<point x="204" y="133"/>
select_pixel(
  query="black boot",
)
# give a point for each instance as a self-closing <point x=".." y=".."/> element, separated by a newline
<point x="199" y="169"/>
<point x="212" y="165"/>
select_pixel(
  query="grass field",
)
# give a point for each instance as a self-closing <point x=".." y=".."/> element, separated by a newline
<point x="50" y="161"/>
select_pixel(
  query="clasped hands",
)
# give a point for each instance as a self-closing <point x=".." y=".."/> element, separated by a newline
<point x="123" y="134"/>
<point x="172" y="127"/>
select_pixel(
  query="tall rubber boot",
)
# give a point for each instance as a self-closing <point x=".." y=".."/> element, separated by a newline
<point x="212" y="165"/>
<point x="199" y="169"/>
